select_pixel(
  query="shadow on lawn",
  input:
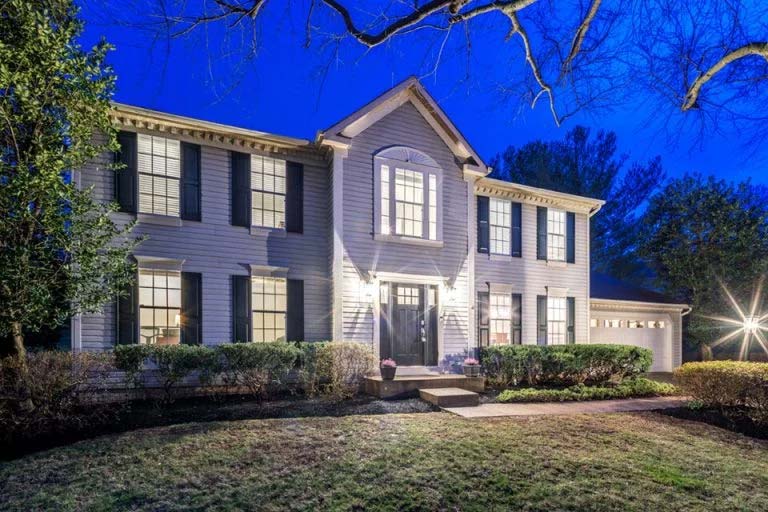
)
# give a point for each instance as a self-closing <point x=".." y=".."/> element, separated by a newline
<point x="734" y="420"/>
<point x="146" y="414"/>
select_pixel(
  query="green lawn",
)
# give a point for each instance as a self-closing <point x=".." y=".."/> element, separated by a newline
<point x="432" y="461"/>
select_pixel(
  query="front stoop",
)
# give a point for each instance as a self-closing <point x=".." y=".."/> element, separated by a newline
<point x="405" y="386"/>
<point x="450" y="397"/>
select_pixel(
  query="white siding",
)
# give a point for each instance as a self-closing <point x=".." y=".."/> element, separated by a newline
<point x="218" y="250"/>
<point x="531" y="277"/>
<point x="403" y="127"/>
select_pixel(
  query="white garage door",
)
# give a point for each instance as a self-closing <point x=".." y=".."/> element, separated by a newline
<point x="654" y="333"/>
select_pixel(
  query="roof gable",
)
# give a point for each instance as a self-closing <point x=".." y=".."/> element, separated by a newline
<point x="411" y="91"/>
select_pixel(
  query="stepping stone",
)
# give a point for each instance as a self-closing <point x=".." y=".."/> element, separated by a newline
<point x="450" y="397"/>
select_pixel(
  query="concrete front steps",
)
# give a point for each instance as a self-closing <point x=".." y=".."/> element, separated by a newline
<point x="450" y="397"/>
<point x="407" y="385"/>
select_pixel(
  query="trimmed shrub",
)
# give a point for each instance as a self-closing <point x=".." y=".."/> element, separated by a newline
<point x="306" y="365"/>
<point x="635" y="387"/>
<point x="130" y="359"/>
<point x="257" y="365"/>
<point x="562" y="365"/>
<point x="53" y="396"/>
<point x="728" y="384"/>
<point x="341" y="367"/>
<point x="177" y="362"/>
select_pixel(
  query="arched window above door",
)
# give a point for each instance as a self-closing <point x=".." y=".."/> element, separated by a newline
<point x="408" y="196"/>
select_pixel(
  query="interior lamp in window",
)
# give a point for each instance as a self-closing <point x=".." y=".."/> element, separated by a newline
<point x="177" y="320"/>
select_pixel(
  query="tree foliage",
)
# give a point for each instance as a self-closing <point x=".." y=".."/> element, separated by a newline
<point x="700" y="232"/>
<point x="589" y="166"/>
<point x="60" y="253"/>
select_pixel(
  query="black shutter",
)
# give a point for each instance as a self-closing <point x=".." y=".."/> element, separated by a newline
<point x="294" y="328"/>
<point x="241" y="308"/>
<point x="570" y="237"/>
<point x="571" y="318"/>
<point x="483" y="318"/>
<point x="541" y="229"/>
<point x="126" y="178"/>
<point x="191" y="308"/>
<point x="483" y="227"/>
<point x="517" y="230"/>
<point x="241" y="189"/>
<point x="541" y="315"/>
<point x="190" y="181"/>
<point x="294" y="197"/>
<point x="127" y="316"/>
<point x="517" y="318"/>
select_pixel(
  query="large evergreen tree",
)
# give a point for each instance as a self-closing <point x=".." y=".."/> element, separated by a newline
<point x="60" y="253"/>
<point x="589" y="166"/>
<point x="700" y="232"/>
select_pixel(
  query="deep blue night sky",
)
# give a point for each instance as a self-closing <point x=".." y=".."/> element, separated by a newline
<point x="294" y="91"/>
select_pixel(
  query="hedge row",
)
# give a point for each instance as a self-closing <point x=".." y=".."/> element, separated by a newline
<point x="636" y="387"/>
<point x="57" y="393"/>
<point x="728" y="384"/>
<point x="335" y="368"/>
<point x="562" y="365"/>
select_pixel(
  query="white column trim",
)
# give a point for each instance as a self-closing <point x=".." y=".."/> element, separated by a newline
<point x="471" y="254"/>
<point x="337" y="266"/>
<point x="76" y="333"/>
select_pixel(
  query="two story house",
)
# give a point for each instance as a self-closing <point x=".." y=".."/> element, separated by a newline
<point x="385" y="230"/>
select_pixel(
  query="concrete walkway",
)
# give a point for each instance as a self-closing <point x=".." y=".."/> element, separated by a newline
<point x="546" y="408"/>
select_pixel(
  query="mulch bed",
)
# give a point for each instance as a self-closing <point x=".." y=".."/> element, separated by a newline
<point x="147" y="414"/>
<point x="734" y="420"/>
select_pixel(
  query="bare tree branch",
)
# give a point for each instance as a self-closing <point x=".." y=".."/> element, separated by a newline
<point x="692" y="95"/>
<point x="578" y="38"/>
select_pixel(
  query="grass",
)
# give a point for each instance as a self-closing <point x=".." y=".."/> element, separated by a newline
<point x="429" y="461"/>
<point x="637" y="387"/>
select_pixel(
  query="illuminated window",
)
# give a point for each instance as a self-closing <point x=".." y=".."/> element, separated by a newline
<point x="409" y="203"/>
<point x="408" y="200"/>
<point x="635" y="324"/>
<point x="267" y="192"/>
<point x="268" y="300"/>
<point x="408" y="295"/>
<point x="159" y="171"/>
<point x="556" y="320"/>
<point x="614" y="323"/>
<point x="594" y="322"/>
<point x="555" y="235"/>
<point x="159" y="307"/>
<point x="500" y="225"/>
<point x="504" y="318"/>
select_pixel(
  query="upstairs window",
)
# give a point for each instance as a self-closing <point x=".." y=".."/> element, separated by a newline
<point x="408" y="195"/>
<point x="267" y="192"/>
<point x="500" y="221"/>
<point x="159" y="170"/>
<point x="555" y="235"/>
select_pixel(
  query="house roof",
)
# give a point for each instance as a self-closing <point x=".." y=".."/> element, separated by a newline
<point x="540" y="196"/>
<point x="410" y="90"/>
<point x="132" y="117"/>
<point x="609" y="288"/>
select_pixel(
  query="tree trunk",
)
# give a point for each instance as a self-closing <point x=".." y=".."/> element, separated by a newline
<point x="18" y="343"/>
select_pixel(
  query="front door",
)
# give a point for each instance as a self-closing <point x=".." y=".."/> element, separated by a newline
<point x="409" y="324"/>
<point x="409" y="335"/>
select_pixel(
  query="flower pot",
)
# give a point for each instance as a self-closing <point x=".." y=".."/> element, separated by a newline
<point x="388" y="372"/>
<point x="471" y="370"/>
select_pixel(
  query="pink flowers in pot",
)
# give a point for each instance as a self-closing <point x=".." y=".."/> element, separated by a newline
<point x="388" y="363"/>
<point x="470" y="361"/>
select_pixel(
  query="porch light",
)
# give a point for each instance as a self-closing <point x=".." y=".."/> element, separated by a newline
<point x="367" y="289"/>
<point x="748" y="324"/>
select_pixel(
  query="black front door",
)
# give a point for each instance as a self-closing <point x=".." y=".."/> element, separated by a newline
<point x="409" y="336"/>
<point x="409" y="324"/>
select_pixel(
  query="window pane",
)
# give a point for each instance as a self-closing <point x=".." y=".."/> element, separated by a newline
<point x="269" y="305"/>
<point x="268" y="192"/>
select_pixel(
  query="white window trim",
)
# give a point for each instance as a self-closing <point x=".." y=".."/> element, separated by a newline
<point x="564" y="235"/>
<point x="491" y="252"/>
<point x="152" y="217"/>
<point x="564" y="322"/>
<point x="385" y="157"/>
<point x="260" y="229"/>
